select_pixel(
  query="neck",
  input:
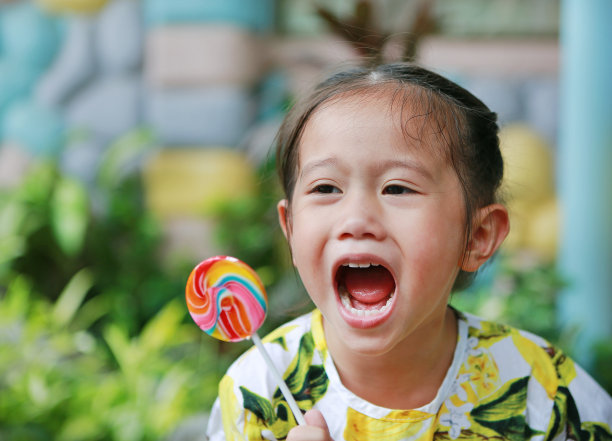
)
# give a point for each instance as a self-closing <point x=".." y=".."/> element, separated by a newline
<point x="409" y="375"/>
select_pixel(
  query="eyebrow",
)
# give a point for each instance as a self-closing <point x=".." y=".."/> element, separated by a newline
<point x="379" y="166"/>
<point x="400" y="163"/>
<point x="328" y="162"/>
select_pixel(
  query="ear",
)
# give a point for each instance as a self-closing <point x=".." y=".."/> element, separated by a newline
<point x="283" y="212"/>
<point x="490" y="228"/>
<point x="284" y="219"/>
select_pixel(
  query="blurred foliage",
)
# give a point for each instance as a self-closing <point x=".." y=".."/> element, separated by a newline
<point x="59" y="381"/>
<point x="603" y="361"/>
<point x="51" y="226"/>
<point x="95" y="340"/>
<point x="249" y="230"/>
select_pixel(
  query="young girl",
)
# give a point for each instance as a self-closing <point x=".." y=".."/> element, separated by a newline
<point x="390" y="177"/>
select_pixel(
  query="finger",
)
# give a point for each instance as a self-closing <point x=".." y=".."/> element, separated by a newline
<point x="315" y="430"/>
<point x="308" y="433"/>
<point x="315" y="418"/>
<point x="267" y="434"/>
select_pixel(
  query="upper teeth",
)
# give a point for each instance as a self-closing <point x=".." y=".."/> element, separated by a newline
<point x="360" y="265"/>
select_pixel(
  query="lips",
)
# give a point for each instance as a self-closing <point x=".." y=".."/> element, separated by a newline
<point x="366" y="292"/>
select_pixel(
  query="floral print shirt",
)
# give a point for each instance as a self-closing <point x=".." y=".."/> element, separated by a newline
<point x="503" y="384"/>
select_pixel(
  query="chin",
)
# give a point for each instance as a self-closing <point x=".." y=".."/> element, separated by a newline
<point x="367" y="341"/>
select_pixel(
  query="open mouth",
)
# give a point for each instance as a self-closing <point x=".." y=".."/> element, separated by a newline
<point x="365" y="289"/>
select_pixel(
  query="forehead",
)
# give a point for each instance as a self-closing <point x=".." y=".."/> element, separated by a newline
<point x="408" y="117"/>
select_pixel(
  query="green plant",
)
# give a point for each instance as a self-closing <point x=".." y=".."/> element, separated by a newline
<point x="95" y="342"/>
<point x="601" y="366"/>
<point x="52" y="225"/>
<point x="60" y="381"/>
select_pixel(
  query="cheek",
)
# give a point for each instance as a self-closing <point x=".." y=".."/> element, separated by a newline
<point x="435" y="240"/>
<point x="295" y="235"/>
<point x="302" y="241"/>
<point x="307" y="242"/>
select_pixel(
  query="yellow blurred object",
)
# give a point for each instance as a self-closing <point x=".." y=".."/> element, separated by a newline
<point x="193" y="181"/>
<point x="529" y="165"/>
<point x="519" y="224"/>
<point x="72" y="6"/>
<point x="529" y="187"/>
<point x="542" y="234"/>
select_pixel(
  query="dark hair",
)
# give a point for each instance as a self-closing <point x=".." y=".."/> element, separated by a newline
<point x="467" y="126"/>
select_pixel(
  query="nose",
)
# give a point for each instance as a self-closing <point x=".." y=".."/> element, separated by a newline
<point x="360" y="217"/>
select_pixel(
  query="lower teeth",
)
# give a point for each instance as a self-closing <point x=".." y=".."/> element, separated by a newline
<point x="345" y="298"/>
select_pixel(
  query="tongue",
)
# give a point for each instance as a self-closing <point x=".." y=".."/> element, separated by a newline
<point x="368" y="287"/>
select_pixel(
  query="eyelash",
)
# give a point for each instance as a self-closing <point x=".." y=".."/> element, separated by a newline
<point x="393" y="190"/>
<point x="325" y="189"/>
<point x="390" y="189"/>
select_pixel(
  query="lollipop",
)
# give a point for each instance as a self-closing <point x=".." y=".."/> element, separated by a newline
<point x="227" y="300"/>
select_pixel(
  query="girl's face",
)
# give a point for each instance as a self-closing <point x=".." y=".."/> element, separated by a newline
<point x="376" y="223"/>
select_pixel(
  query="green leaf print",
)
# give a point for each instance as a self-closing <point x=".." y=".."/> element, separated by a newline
<point x="595" y="432"/>
<point x="261" y="407"/>
<point x="490" y="332"/>
<point x="509" y="400"/>
<point x="307" y="383"/>
<point x="565" y="408"/>
<point x="279" y="420"/>
<point x="504" y="412"/>
<point x="556" y="422"/>
<point x="466" y="434"/>
<point x="281" y="341"/>
<point x="298" y="369"/>
<point x="315" y="385"/>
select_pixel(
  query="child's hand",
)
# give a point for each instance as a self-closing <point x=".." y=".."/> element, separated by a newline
<point x="316" y="430"/>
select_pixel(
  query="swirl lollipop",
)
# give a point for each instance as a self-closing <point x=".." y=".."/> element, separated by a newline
<point x="227" y="300"/>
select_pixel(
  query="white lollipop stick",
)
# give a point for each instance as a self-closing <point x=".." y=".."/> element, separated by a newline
<point x="297" y="413"/>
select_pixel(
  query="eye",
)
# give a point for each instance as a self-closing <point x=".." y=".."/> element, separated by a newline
<point x="325" y="189"/>
<point x="396" y="189"/>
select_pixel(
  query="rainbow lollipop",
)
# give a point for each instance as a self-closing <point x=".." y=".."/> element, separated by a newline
<point x="227" y="300"/>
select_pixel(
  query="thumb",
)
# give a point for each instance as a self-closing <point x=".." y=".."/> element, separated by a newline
<point x="315" y="428"/>
<point x="315" y="418"/>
